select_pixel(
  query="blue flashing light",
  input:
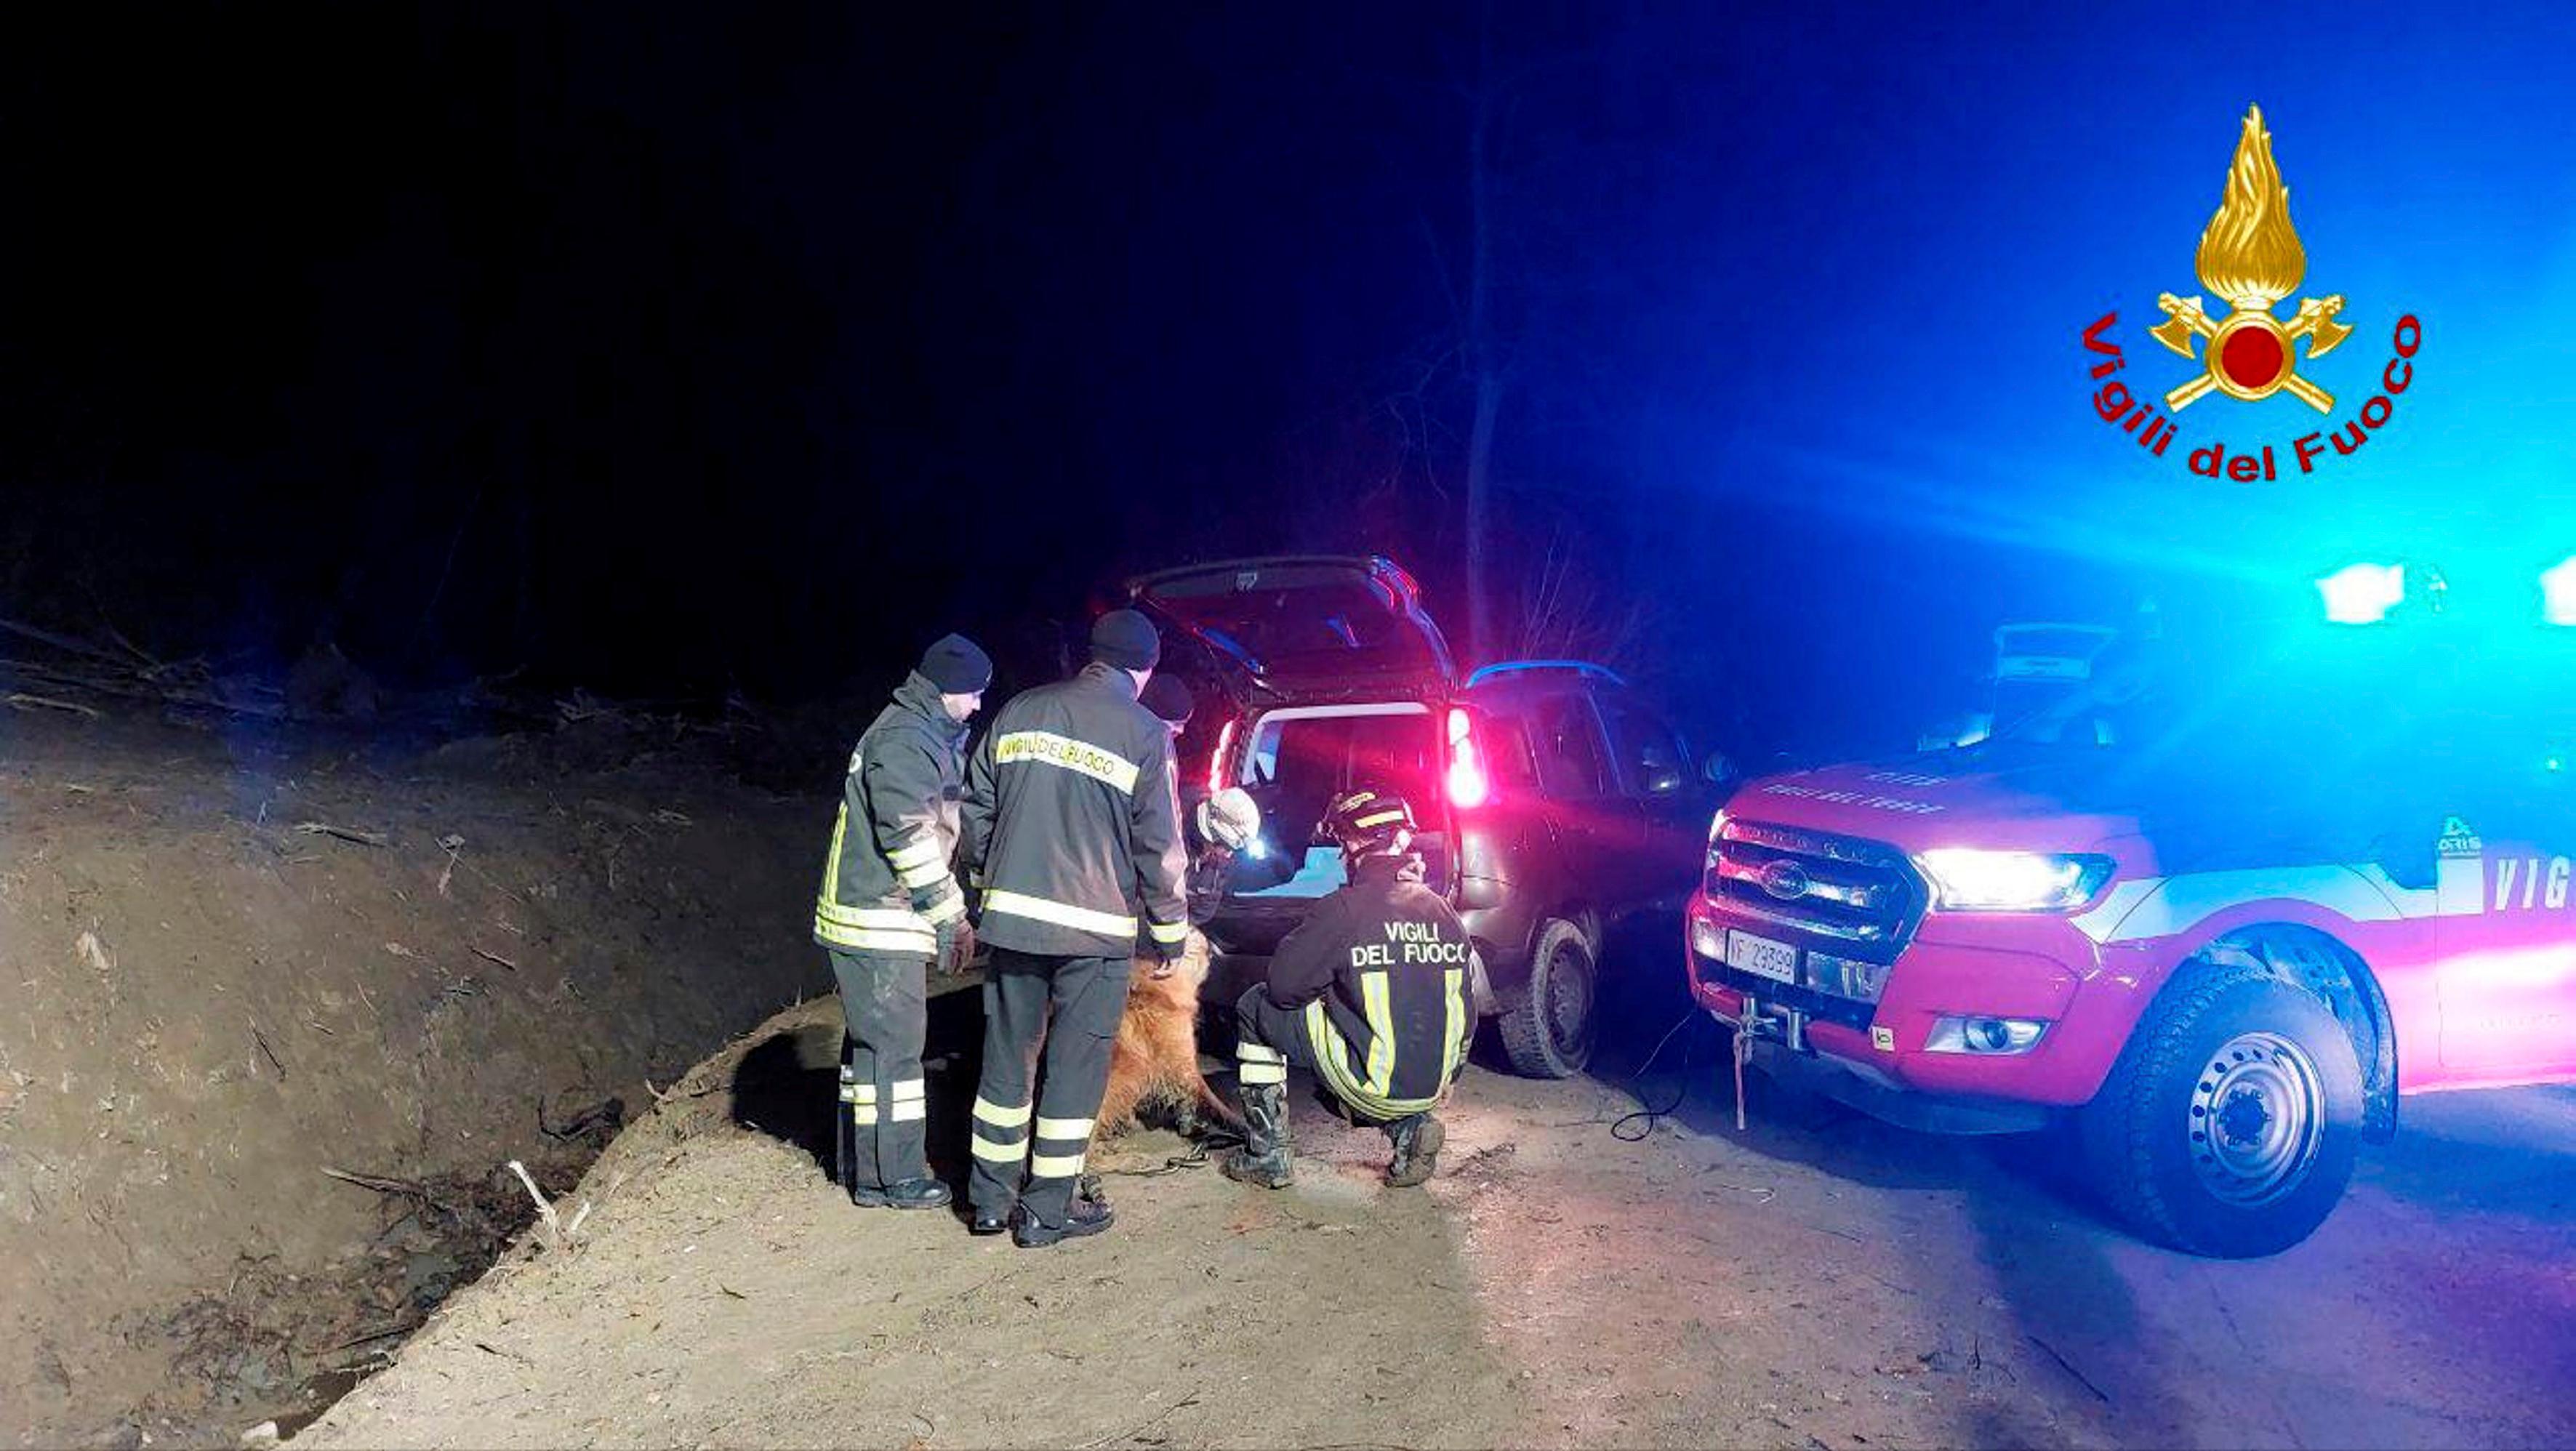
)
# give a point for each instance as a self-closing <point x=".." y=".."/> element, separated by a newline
<point x="2363" y="594"/>
<point x="2558" y="593"/>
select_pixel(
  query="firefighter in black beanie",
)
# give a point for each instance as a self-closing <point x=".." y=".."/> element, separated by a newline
<point x="888" y="906"/>
<point x="1073" y="840"/>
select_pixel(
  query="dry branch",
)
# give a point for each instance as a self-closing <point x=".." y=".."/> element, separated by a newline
<point x="406" y="1188"/>
<point x="24" y="701"/>
<point x="344" y="833"/>
<point x="557" y="1234"/>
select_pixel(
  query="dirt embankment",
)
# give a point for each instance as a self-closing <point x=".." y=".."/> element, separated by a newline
<point x="237" y="963"/>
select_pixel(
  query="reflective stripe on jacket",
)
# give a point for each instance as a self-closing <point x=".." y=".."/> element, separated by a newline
<point x="1381" y="969"/>
<point x="886" y="882"/>
<point x="1072" y="827"/>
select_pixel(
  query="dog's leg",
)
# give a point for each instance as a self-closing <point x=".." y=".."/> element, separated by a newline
<point x="1222" y="1111"/>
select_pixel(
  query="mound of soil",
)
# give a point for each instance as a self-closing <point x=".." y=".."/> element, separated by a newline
<point x="283" y="1011"/>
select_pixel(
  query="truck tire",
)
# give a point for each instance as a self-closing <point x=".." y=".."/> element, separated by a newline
<point x="2229" y="1125"/>
<point x="1548" y="1026"/>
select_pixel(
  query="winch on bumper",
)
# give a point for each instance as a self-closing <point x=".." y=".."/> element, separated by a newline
<point x="1957" y="1023"/>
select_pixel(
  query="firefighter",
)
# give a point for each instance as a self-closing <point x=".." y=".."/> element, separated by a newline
<point x="1169" y="701"/>
<point x="1071" y="833"/>
<point x="888" y="906"/>
<point x="1223" y="825"/>
<point x="1369" y="993"/>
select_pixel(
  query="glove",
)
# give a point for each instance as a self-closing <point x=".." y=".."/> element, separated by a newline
<point x="956" y="944"/>
<point x="1163" y="956"/>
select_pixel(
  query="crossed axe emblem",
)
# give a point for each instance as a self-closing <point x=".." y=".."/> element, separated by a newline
<point x="2251" y="354"/>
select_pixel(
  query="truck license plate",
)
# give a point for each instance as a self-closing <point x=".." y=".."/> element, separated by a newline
<point x="1761" y="956"/>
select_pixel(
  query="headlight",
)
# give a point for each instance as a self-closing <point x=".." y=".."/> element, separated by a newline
<point x="1969" y="879"/>
<point x="1716" y="824"/>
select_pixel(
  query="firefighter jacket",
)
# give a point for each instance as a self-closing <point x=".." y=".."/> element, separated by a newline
<point x="887" y="885"/>
<point x="1380" y="969"/>
<point x="1072" y="827"/>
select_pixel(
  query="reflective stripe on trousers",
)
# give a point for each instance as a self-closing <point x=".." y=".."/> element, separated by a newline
<point x="1255" y="1064"/>
<point x="999" y="1133"/>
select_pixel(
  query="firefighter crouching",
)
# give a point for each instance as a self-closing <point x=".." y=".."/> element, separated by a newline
<point x="887" y="907"/>
<point x="1071" y="831"/>
<point x="1369" y="993"/>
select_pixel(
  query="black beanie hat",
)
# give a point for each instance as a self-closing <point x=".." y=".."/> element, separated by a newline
<point x="957" y="667"/>
<point x="1125" y="639"/>
<point x="1168" y="699"/>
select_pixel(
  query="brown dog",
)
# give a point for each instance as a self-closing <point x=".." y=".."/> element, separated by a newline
<point x="1155" y="1062"/>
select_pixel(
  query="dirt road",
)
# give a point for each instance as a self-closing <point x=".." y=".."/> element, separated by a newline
<point x="1819" y="1281"/>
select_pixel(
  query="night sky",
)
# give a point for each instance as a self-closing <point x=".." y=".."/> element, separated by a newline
<point x="672" y="349"/>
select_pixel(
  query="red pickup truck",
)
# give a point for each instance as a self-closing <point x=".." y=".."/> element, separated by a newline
<point x="2220" y="916"/>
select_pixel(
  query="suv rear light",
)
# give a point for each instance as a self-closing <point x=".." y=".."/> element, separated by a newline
<point x="1467" y="782"/>
<point x="1220" y="763"/>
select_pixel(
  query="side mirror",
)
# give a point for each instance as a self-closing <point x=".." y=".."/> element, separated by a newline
<point x="1718" y="769"/>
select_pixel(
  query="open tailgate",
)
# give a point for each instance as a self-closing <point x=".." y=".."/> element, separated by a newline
<point x="1310" y="620"/>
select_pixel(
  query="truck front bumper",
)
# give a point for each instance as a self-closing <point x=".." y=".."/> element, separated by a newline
<point x="2029" y="968"/>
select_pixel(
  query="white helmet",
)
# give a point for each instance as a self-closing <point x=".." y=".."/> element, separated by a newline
<point x="1230" y="818"/>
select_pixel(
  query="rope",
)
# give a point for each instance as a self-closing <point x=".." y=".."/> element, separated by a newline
<point x="1654" y="1114"/>
<point x="1743" y="1055"/>
<point x="1196" y="1158"/>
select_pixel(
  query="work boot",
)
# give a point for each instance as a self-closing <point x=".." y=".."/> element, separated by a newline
<point x="1266" y="1157"/>
<point x="1082" y="1217"/>
<point x="1417" y="1139"/>
<point x="903" y="1194"/>
<point x="988" y="1221"/>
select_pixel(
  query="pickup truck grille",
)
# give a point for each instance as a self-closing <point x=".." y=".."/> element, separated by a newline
<point x="1863" y="897"/>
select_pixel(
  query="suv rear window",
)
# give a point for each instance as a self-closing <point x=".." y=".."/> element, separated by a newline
<point x="1649" y="754"/>
<point x="1569" y="749"/>
<point x="1302" y="761"/>
<point x="1299" y="759"/>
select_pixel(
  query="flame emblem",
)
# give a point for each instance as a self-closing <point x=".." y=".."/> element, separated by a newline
<point x="2250" y="256"/>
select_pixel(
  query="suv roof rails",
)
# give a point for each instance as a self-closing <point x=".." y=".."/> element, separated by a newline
<point x="1514" y="667"/>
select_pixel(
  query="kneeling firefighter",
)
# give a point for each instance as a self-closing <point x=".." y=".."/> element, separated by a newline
<point x="1369" y="993"/>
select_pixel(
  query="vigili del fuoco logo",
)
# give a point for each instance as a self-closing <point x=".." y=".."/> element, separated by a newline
<point x="2251" y="258"/>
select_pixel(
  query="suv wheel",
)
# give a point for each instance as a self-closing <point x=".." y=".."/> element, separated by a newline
<point x="2230" y="1124"/>
<point x="1547" y="1028"/>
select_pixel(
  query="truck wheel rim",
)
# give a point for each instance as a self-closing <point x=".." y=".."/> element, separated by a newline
<point x="1569" y="1002"/>
<point x="2257" y="1117"/>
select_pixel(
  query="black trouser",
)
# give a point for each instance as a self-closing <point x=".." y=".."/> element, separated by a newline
<point x="886" y="1011"/>
<point x="1071" y="1007"/>
<point x="1260" y="1025"/>
<point x="1271" y="1039"/>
